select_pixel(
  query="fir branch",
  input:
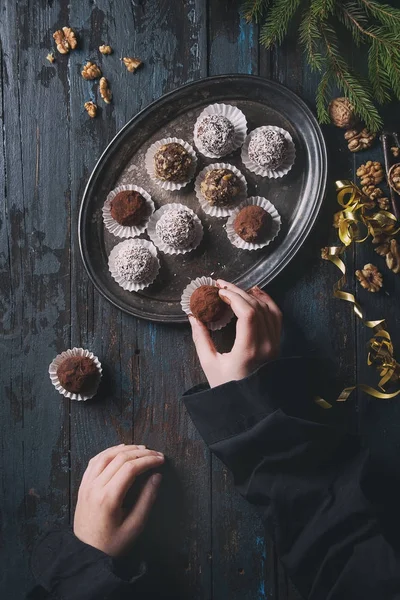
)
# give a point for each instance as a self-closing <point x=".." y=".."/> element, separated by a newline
<point x="309" y="37"/>
<point x="322" y="97"/>
<point x="352" y="17"/>
<point x="321" y="9"/>
<point x="384" y="13"/>
<point x="275" y="28"/>
<point x="380" y="82"/>
<point x="253" y="10"/>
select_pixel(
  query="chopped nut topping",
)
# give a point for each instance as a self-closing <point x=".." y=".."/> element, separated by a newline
<point x="393" y="257"/>
<point x="105" y="91"/>
<point x="395" y="151"/>
<point x="65" y="39"/>
<point x="132" y="64"/>
<point x="372" y="192"/>
<point x="91" y="71"/>
<point x="104" y="49"/>
<point x="370" y="278"/>
<point x="384" y="203"/>
<point x="91" y="109"/>
<point x="50" y="57"/>
<point x="359" y="140"/>
<point x="371" y="173"/>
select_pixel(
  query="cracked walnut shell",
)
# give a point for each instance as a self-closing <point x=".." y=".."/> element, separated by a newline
<point x="65" y="39"/>
<point x="341" y="113"/>
<point x="132" y="64"/>
<point x="371" y="173"/>
<point x="91" y="109"/>
<point x="105" y="91"/>
<point x="393" y="256"/>
<point x="359" y="140"/>
<point x="105" y="49"/>
<point x="394" y="177"/>
<point x="91" y="71"/>
<point x="370" y="278"/>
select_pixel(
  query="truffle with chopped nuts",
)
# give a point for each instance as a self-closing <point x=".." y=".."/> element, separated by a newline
<point x="172" y="162"/>
<point x="220" y="187"/>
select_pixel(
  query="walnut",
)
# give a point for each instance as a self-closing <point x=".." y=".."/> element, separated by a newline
<point x="337" y="219"/>
<point x="372" y="192"/>
<point x="384" y="203"/>
<point x="371" y="172"/>
<point x="370" y="278"/>
<point x="359" y="140"/>
<point x="395" y="151"/>
<point x="394" y="177"/>
<point x="91" y="109"/>
<point x="105" y="91"/>
<point x="65" y="39"/>
<point x="50" y="57"/>
<point x="383" y="249"/>
<point x="393" y="257"/>
<point x="325" y="253"/>
<point x="132" y="64"/>
<point x="104" y="49"/>
<point x="91" y="71"/>
<point x="341" y="113"/>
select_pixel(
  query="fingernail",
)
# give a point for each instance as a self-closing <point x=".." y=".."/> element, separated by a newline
<point x="156" y="478"/>
<point x="160" y="454"/>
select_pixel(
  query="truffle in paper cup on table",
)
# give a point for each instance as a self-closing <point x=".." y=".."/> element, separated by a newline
<point x="76" y="374"/>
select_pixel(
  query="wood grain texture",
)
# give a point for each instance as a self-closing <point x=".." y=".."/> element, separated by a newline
<point x="48" y="149"/>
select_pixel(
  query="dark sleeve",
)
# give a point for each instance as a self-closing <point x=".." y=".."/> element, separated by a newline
<point x="289" y="456"/>
<point x="67" y="569"/>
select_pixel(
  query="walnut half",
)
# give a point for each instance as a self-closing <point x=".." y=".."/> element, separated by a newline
<point x="359" y="140"/>
<point x="65" y="39"/>
<point x="393" y="257"/>
<point x="132" y="64"/>
<point x="91" y="71"/>
<point x="371" y="173"/>
<point x="370" y="278"/>
<point x="91" y="109"/>
<point x="105" y="49"/>
<point x="105" y="91"/>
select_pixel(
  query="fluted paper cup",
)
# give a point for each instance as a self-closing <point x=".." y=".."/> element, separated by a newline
<point x="234" y="115"/>
<point x="132" y="286"/>
<point x="162" y="246"/>
<point x="219" y="211"/>
<point x="56" y="382"/>
<point x="125" y="231"/>
<point x="149" y="163"/>
<point x="185" y="302"/>
<point x="280" y="171"/>
<point x="237" y="241"/>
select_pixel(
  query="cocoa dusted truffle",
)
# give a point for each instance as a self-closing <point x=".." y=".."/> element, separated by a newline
<point x="77" y="374"/>
<point x="172" y="162"/>
<point x="133" y="262"/>
<point x="177" y="228"/>
<point x="216" y="133"/>
<point x="206" y="304"/>
<point x="220" y="187"/>
<point x="128" y="208"/>
<point x="268" y="148"/>
<point x="252" y="223"/>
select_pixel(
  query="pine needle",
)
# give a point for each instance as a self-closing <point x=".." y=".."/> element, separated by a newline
<point x="276" y="26"/>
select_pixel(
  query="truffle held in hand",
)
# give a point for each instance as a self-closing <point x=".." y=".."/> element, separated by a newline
<point x="252" y="223"/>
<point x="128" y="208"/>
<point x="172" y="163"/>
<point x="77" y="374"/>
<point x="206" y="304"/>
<point x="220" y="187"/>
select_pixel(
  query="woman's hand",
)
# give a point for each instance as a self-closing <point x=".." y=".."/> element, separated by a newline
<point x="258" y="333"/>
<point x="100" y="520"/>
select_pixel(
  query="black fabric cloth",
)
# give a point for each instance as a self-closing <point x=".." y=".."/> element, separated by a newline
<point x="294" y="460"/>
<point x="289" y="456"/>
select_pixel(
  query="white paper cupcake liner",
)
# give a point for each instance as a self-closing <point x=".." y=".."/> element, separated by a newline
<point x="283" y="169"/>
<point x="132" y="286"/>
<point x="162" y="246"/>
<point x="219" y="211"/>
<point x="185" y="302"/>
<point x="234" y="115"/>
<point x="68" y="354"/>
<point x="116" y="228"/>
<point x="149" y="163"/>
<point x="237" y="241"/>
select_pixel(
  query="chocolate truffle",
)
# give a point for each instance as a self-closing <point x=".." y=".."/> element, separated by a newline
<point x="77" y="374"/>
<point x="216" y="133"/>
<point x="177" y="228"/>
<point x="268" y="148"/>
<point x="133" y="262"/>
<point x="172" y="163"/>
<point x="206" y="305"/>
<point x="220" y="187"/>
<point x="128" y="208"/>
<point x="252" y="223"/>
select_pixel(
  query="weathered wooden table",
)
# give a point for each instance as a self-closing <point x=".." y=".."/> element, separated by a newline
<point x="208" y="539"/>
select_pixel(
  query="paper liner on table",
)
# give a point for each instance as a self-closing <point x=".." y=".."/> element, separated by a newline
<point x="219" y="211"/>
<point x="162" y="246"/>
<point x="125" y="231"/>
<point x="234" y="115"/>
<point x="185" y="302"/>
<point x="56" y="382"/>
<point x="280" y="171"/>
<point x="275" y="225"/>
<point x="132" y="286"/>
<point x="149" y="163"/>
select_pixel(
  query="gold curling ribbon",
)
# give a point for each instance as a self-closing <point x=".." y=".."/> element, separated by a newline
<point x="354" y="225"/>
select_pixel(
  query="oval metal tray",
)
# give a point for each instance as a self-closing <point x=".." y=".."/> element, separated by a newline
<point x="297" y="196"/>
